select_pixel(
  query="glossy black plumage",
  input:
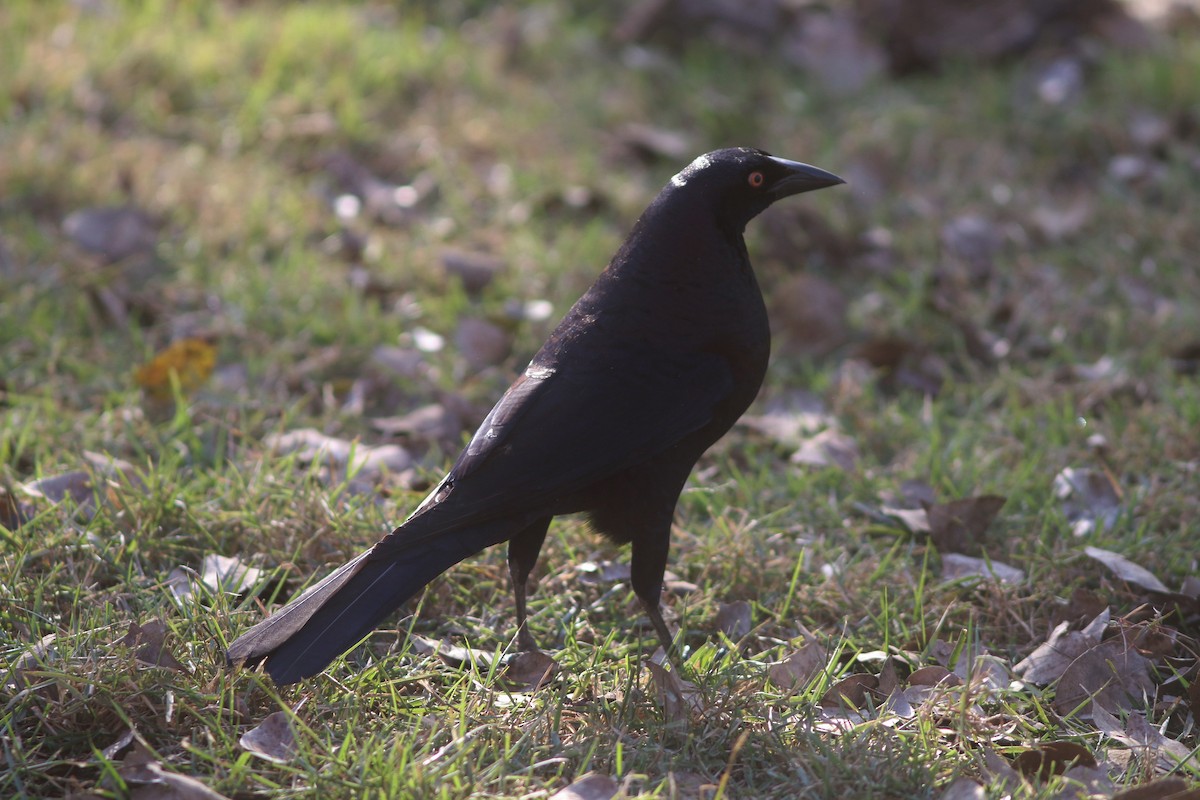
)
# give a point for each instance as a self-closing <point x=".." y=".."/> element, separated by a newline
<point x="652" y="365"/>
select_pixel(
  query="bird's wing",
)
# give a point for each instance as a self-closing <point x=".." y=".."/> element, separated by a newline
<point x="556" y="431"/>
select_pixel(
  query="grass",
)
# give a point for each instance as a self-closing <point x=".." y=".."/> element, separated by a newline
<point x="217" y="119"/>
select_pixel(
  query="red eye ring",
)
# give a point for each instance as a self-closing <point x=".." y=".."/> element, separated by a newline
<point x="756" y="179"/>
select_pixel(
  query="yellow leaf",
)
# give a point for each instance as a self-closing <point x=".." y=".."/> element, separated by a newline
<point x="190" y="360"/>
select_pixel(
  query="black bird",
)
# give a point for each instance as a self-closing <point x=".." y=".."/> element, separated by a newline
<point x="652" y="365"/>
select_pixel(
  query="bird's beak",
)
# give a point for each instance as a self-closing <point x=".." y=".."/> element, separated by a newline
<point x="800" y="178"/>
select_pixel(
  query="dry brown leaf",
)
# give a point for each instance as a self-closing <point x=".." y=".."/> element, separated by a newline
<point x="1062" y="221"/>
<point x="799" y="667"/>
<point x="76" y="485"/>
<point x="834" y="47"/>
<point x="590" y="786"/>
<point x="530" y="670"/>
<point x="889" y="676"/>
<point x="13" y="512"/>
<point x="958" y="526"/>
<point x="152" y="782"/>
<point x="187" y="362"/>
<point x="1163" y="789"/>
<point x="999" y="773"/>
<point x="852" y="690"/>
<point x="1113" y="674"/>
<point x="1089" y="499"/>
<point x="366" y="462"/>
<point x="650" y="144"/>
<point x="33" y="657"/>
<point x="362" y="192"/>
<point x="113" y="233"/>
<point x="482" y="343"/>
<point x="1050" y="659"/>
<point x="602" y="572"/>
<point x="789" y="418"/>
<point x="452" y="654"/>
<point x="933" y="675"/>
<point x="272" y="739"/>
<point x="734" y="619"/>
<point x="811" y="315"/>
<point x="956" y="566"/>
<point x="441" y="422"/>
<point x="679" y="699"/>
<point x="1127" y="571"/>
<point x="963" y="789"/>
<point x="1138" y="734"/>
<point x="914" y="520"/>
<point x="829" y="448"/>
<point x="150" y="641"/>
<point x="475" y="270"/>
<point x="1052" y="758"/>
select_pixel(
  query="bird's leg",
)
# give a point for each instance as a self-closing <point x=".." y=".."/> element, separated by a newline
<point x="647" y="563"/>
<point x="523" y="551"/>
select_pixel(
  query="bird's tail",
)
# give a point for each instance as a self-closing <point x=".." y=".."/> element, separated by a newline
<point x="300" y="639"/>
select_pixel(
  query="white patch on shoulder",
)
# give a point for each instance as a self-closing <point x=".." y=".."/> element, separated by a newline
<point x="684" y="175"/>
<point x="538" y="372"/>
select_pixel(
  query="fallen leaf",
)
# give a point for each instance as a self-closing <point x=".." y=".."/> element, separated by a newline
<point x="829" y="448"/>
<point x="475" y="270"/>
<point x="1089" y="499"/>
<point x="1062" y="221"/>
<point x="957" y="526"/>
<point x="975" y="240"/>
<point x="76" y="485"/>
<point x="123" y="743"/>
<point x="956" y="566"/>
<point x="734" y="619"/>
<point x="790" y="417"/>
<point x="651" y="144"/>
<point x="590" y="786"/>
<point x="452" y="654"/>
<point x="1138" y="734"/>
<point x="435" y="422"/>
<point x="187" y="362"/>
<point x="679" y="699"/>
<point x="1052" y="758"/>
<point x="114" y="233"/>
<point x="834" y="47"/>
<point x="482" y="343"/>
<point x="963" y="789"/>
<point x="404" y="362"/>
<point x="152" y="782"/>
<point x="1112" y="674"/>
<point x="1162" y="789"/>
<point x="364" y="461"/>
<point x="933" y="675"/>
<point x="31" y="659"/>
<point x="1050" y="659"/>
<point x="1127" y="571"/>
<point x="852" y="691"/>
<point x="811" y="314"/>
<point x="914" y="520"/>
<point x="530" y="670"/>
<point x="150" y="641"/>
<point x="799" y="667"/>
<point x="362" y="192"/>
<point x="13" y="512"/>
<point x="272" y="739"/>
<point x="593" y="573"/>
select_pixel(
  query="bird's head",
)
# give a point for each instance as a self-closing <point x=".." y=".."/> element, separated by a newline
<point x="740" y="182"/>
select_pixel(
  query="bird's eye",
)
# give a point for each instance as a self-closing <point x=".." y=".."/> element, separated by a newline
<point x="756" y="179"/>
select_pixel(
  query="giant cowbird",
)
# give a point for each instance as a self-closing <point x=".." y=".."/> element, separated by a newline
<point x="652" y="365"/>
